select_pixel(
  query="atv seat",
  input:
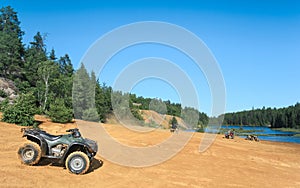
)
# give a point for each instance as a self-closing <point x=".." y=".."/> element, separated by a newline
<point x="50" y="136"/>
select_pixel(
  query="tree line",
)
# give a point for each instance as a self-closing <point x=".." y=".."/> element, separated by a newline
<point x="288" y="117"/>
<point x="91" y="98"/>
<point x="49" y="85"/>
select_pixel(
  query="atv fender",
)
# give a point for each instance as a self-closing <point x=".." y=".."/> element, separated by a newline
<point x="76" y="146"/>
<point x="40" y="141"/>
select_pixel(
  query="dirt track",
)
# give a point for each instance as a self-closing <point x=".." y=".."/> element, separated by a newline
<point x="227" y="163"/>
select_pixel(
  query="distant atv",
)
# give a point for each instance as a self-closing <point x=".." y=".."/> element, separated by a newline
<point x="75" y="152"/>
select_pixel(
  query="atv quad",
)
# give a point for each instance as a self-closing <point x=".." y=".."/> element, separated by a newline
<point x="71" y="150"/>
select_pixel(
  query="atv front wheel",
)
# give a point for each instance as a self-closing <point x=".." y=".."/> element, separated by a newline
<point x="78" y="162"/>
<point x="30" y="153"/>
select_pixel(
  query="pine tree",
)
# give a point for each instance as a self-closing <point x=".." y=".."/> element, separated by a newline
<point x="11" y="48"/>
<point x="9" y="22"/>
<point x="83" y="94"/>
<point x="52" y="55"/>
<point x="59" y="113"/>
<point x="173" y="121"/>
<point x="90" y="114"/>
<point x="34" y="56"/>
<point x="62" y="81"/>
<point x="103" y="100"/>
<point x="65" y="65"/>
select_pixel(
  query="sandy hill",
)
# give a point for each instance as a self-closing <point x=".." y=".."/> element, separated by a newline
<point x="160" y="119"/>
<point x="151" y="116"/>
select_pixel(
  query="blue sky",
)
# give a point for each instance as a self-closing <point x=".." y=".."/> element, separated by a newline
<point x="256" y="43"/>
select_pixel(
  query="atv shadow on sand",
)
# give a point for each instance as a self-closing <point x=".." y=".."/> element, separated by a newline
<point x="95" y="164"/>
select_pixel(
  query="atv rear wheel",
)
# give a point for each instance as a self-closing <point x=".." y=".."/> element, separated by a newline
<point x="78" y="162"/>
<point x="30" y="153"/>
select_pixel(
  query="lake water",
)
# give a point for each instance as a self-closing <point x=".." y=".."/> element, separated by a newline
<point x="273" y="135"/>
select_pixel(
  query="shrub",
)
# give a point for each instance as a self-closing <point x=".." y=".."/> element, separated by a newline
<point x="136" y="113"/>
<point x="59" y="113"/>
<point x="3" y="94"/>
<point x="90" y="114"/>
<point x="4" y="105"/>
<point x="22" y="111"/>
<point x="173" y="121"/>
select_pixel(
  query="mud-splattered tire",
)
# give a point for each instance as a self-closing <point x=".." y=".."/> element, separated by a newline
<point x="78" y="162"/>
<point x="29" y="153"/>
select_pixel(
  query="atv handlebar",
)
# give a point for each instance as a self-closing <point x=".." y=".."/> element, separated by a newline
<point x="75" y="132"/>
<point x="72" y="130"/>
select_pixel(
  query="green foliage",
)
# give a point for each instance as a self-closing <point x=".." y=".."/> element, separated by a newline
<point x="120" y="103"/>
<point x="158" y="106"/>
<point x="136" y="113"/>
<point x="22" y="85"/>
<point x="4" y="105"/>
<point x="3" y="94"/>
<point x="59" y="113"/>
<point x="52" y="56"/>
<point x="46" y="73"/>
<point x="90" y="114"/>
<point x="190" y="116"/>
<point x="35" y="54"/>
<point x="39" y="43"/>
<point x="83" y="92"/>
<point x="103" y="101"/>
<point x="10" y="55"/>
<point x="62" y="81"/>
<point x="22" y="111"/>
<point x="31" y="69"/>
<point x="283" y="117"/>
<point x="12" y="50"/>
<point x="173" y="121"/>
<point x="173" y="109"/>
<point x="203" y="119"/>
<point x="9" y="22"/>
